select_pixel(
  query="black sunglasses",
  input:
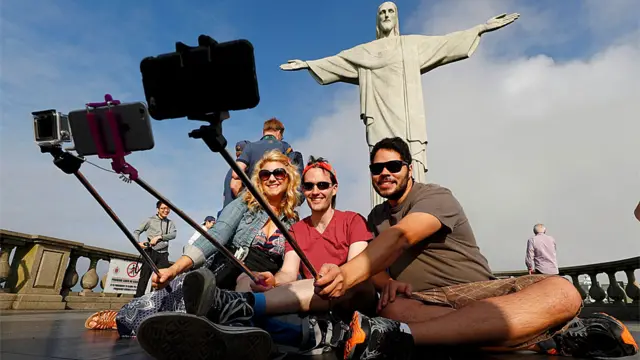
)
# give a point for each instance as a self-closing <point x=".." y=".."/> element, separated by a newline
<point x="322" y="185"/>
<point x="393" y="166"/>
<point x="279" y="174"/>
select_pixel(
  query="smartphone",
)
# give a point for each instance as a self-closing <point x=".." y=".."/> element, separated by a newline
<point x="133" y="123"/>
<point x="201" y="80"/>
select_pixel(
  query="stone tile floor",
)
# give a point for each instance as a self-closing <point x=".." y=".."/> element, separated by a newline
<point x="61" y="335"/>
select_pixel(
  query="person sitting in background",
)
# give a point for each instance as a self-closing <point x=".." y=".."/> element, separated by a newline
<point x="541" y="252"/>
<point x="227" y="194"/>
<point x="272" y="135"/>
<point x="208" y="222"/>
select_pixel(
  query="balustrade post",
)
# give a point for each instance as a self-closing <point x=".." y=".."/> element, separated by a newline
<point x="633" y="291"/>
<point x="70" y="275"/>
<point x="5" y="267"/>
<point x="615" y="292"/>
<point x="90" y="278"/>
<point x="575" y="279"/>
<point x="596" y="291"/>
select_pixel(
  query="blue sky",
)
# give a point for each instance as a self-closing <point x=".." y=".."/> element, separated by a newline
<point x="556" y="71"/>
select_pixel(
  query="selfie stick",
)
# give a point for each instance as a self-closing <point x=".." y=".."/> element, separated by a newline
<point x="212" y="136"/>
<point x="70" y="164"/>
<point x="120" y="166"/>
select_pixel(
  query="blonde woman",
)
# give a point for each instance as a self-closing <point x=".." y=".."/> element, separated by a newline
<point x="243" y="227"/>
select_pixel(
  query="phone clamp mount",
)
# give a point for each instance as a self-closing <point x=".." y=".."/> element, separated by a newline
<point x="118" y="163"/>
<point x="212" y="136"/>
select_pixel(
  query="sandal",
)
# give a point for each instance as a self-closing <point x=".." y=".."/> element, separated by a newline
<point x="105" y="319"/>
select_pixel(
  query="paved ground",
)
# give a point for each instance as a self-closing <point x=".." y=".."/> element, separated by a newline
<point x="61" y="335"/>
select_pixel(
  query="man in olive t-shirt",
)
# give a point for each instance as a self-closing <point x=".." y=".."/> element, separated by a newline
<point x="437" y="289"/>
<point x="448" y="257"/>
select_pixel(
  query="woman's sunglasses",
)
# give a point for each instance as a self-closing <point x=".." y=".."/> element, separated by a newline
<point x="394" y="166"/>
<point x="279" y="174"/>
<point x="322" y="185"/>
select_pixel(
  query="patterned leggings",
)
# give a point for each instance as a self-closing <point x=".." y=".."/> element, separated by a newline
<point x="138" y="309"/>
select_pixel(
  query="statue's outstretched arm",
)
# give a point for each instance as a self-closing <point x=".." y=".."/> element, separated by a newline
<point x="498" y="22"/>
<point x="294" y="65"/>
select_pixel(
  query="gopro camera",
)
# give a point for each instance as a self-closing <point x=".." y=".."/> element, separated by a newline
<point x="50" y="127"/>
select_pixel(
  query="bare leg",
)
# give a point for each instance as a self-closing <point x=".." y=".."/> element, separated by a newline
<point x="299" y="296"/>
<point x="243" y="283"/>
<point x="413" y="311"/>
<point x="503" y="321"/>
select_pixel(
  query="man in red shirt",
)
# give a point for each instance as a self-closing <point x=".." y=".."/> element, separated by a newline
<point x="277" y="310"/>
<point x="327" y="236"/>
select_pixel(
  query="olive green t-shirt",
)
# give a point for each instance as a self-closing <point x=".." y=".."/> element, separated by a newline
<point x="448" y="257"/>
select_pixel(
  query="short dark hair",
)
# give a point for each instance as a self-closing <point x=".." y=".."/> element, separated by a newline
<point x="313" y="160"/>
<point x="395" y="144"/>
<point x="159" y="203"/>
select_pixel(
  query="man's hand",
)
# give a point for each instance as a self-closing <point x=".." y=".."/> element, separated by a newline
<point x="500" y="21"/>
<point x="388" y="294"/>
<point x="143" y="244"/>
<point x="166" y="275"/>
<point x="530" y="271"/>
<point x="154" y="240"/>
<point x="268" y="282"/>
<point x="331" y="283"/>
<point x="294" y="65"/>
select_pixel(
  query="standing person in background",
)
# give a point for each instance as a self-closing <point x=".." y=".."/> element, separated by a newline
<point x="159" y="231"/>
<point x="541" y="252"/>
<point x="228" y="195"/>
<point x="208" y="222"/>
<point x="272" y="134"/>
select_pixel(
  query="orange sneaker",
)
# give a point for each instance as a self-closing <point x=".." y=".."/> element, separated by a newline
<point x="598" y="335"/>
<point x="377" y="338"/>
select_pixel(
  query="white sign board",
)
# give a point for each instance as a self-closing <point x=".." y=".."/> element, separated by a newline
<point x="123" y="277"/>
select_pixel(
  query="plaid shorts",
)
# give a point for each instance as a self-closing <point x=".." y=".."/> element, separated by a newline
<point x="458" y="296"/>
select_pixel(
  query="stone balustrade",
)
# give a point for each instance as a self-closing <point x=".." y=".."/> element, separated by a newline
<point x="619" y="301"/>
<point x="43" y="273"/>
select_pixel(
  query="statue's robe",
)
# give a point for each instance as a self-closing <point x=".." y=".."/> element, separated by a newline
<point x="388" y="73"/>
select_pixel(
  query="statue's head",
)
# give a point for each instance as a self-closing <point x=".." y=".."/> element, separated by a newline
<point x="387" y="20"/>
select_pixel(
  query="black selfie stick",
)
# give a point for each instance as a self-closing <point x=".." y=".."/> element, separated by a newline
<point x="198" y="228"/>
<point x="70" y="164"/>
<point x="120" y="166"/>
<point x="212" y="136"/>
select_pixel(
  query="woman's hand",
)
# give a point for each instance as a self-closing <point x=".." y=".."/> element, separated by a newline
<point x="166" y="275"/>
<point x="267" y="282"/>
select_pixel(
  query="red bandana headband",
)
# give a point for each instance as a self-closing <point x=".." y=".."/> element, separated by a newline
<point x="322" y="165"/>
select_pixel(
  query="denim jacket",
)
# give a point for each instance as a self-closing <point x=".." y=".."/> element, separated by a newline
<point x="236" y="223"/>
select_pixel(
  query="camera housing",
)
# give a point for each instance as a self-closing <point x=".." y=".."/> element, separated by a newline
<point x="50" y="127"/>
<point x="194" y="81"/>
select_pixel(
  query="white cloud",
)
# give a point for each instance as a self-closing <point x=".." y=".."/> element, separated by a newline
<point x="519" y="139"/>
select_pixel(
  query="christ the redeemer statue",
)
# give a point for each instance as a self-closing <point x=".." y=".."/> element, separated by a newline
<point x="388" y="71"/>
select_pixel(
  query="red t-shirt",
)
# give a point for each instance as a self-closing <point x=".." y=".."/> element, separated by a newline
<point x="332" y="246"/>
